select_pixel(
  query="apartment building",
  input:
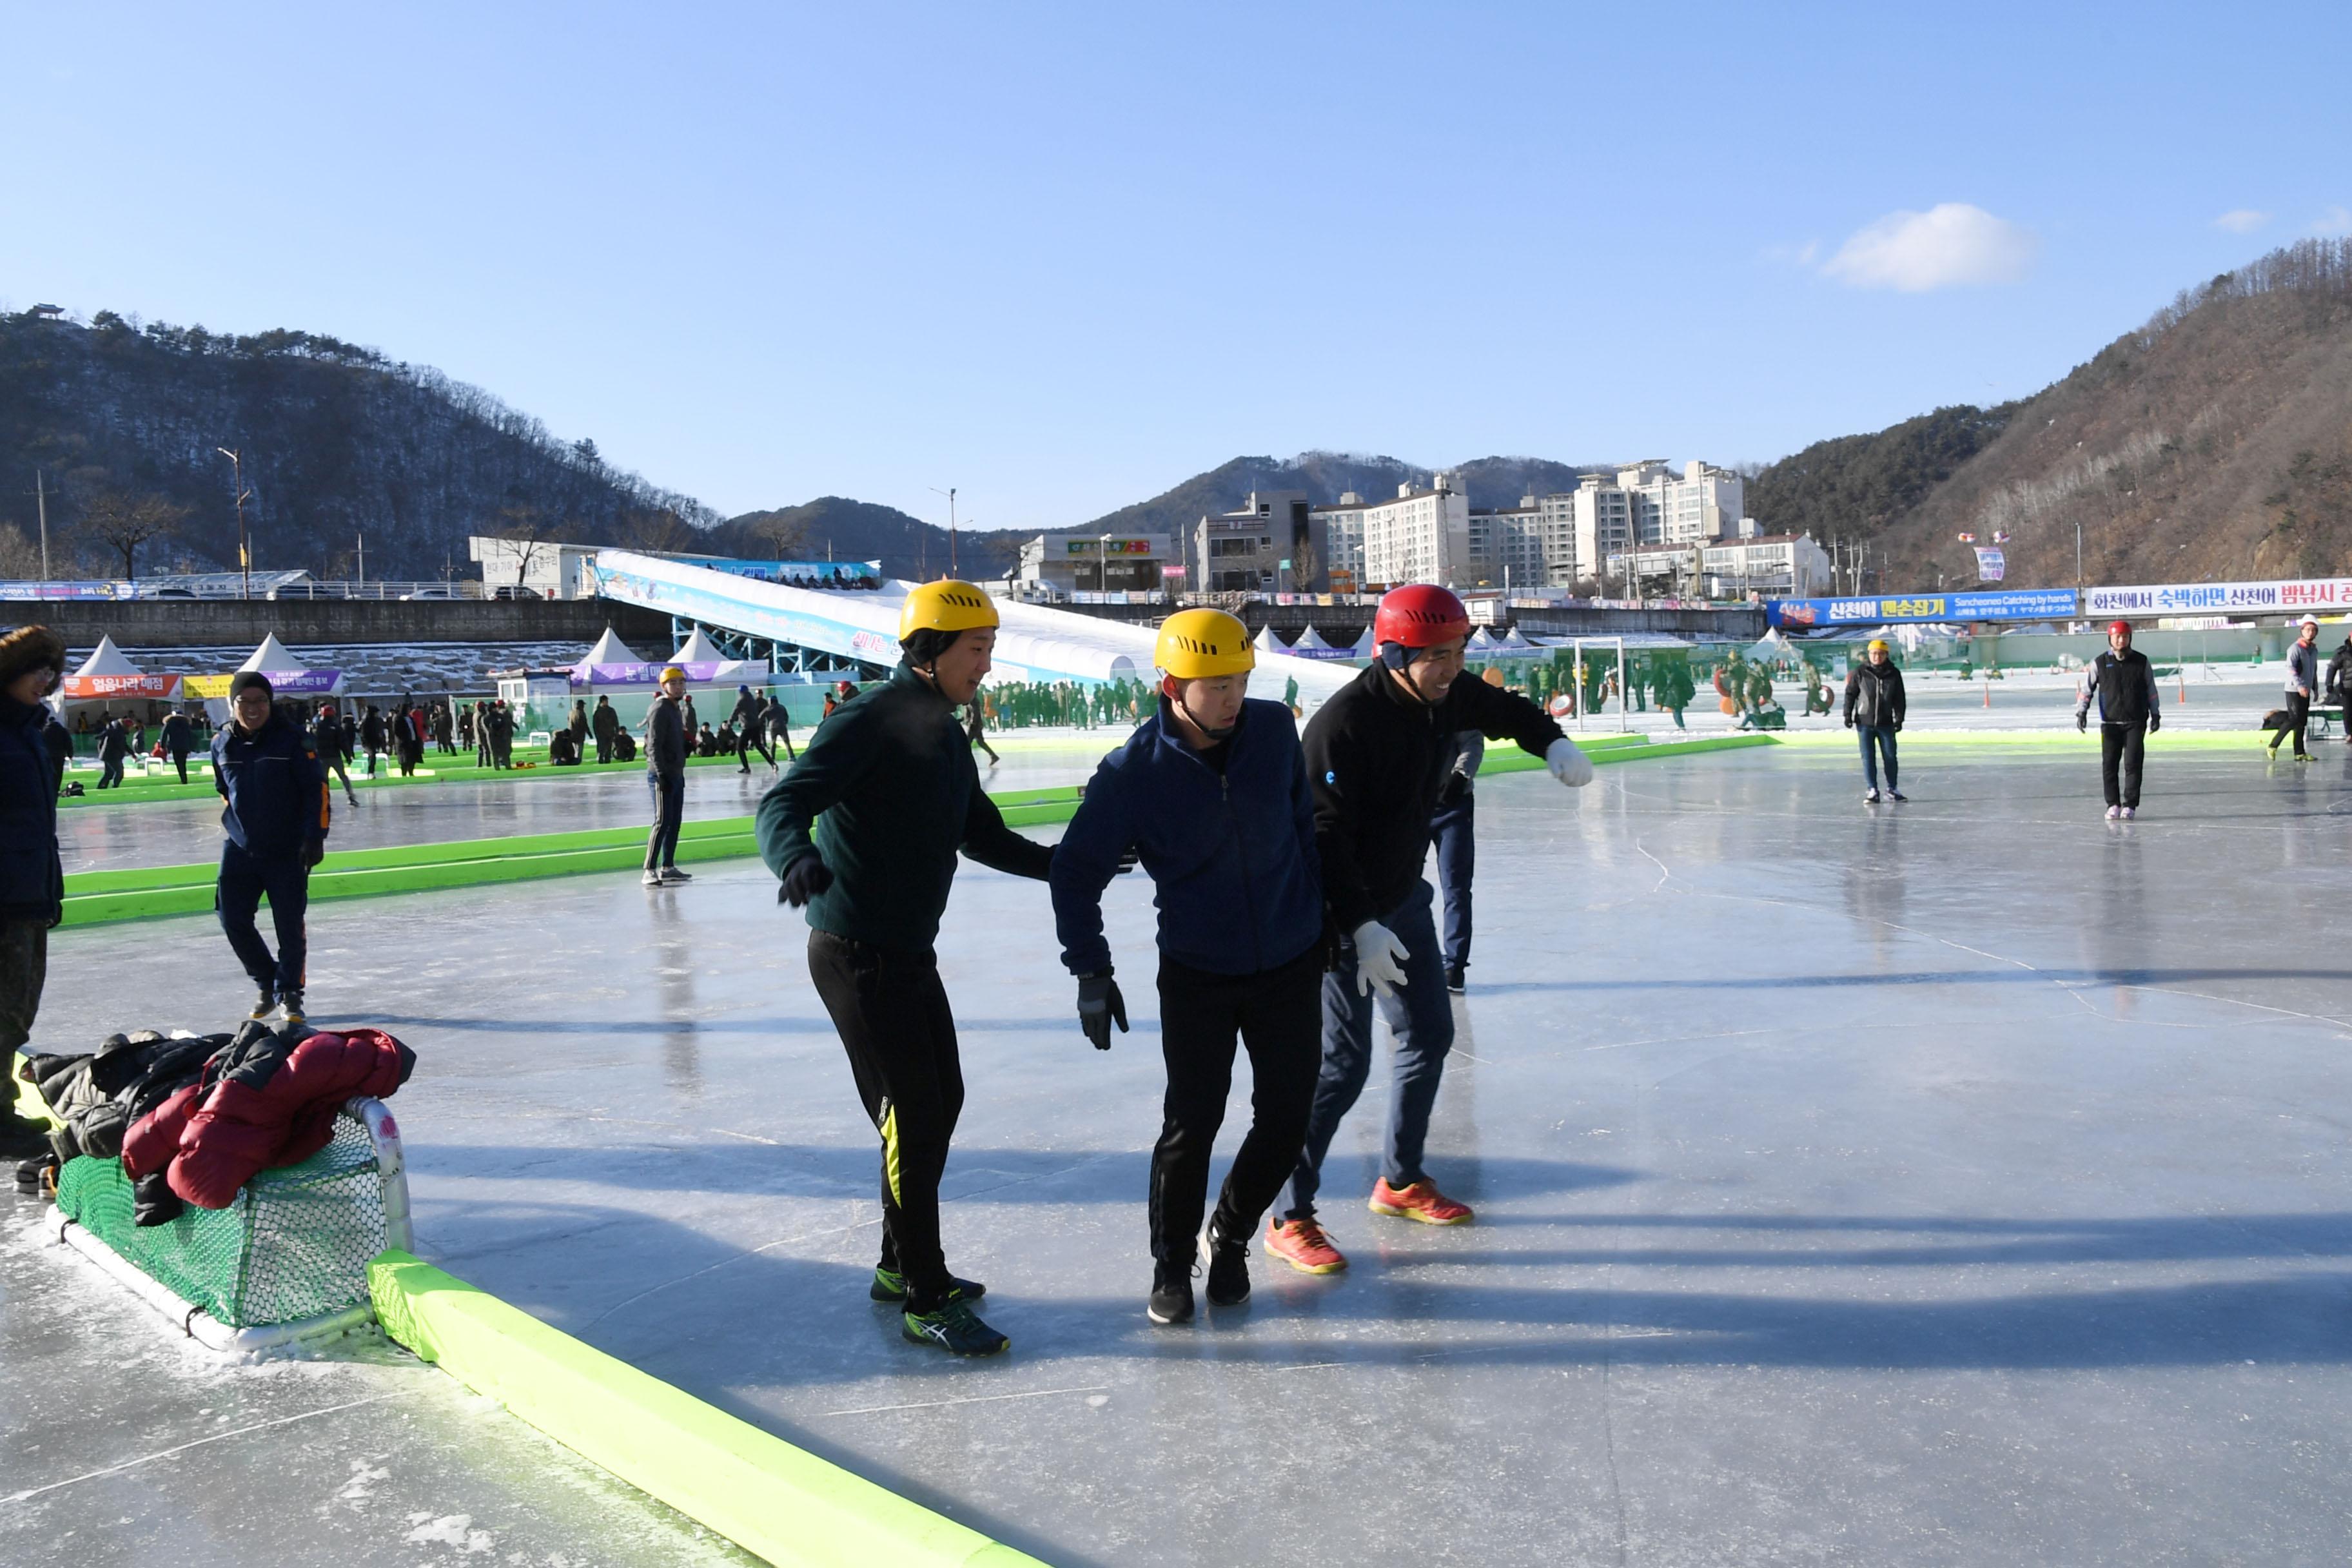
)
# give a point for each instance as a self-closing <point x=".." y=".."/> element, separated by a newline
<point x="1271" y="544"/>
<point x="1421" y="534"/>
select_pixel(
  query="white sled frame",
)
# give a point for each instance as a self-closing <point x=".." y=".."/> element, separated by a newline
<point x="201" y="1326"/>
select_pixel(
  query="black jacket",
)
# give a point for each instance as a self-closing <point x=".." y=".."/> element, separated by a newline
<point x="666" y="740"/>
<point x="2125" y="686"/>
<point x="32" y="880"/>
<point x="1377" y="760"/>
<point x="2339" y="672"/>
<point x="1874" y="694"/>
<point x="603" y="723"/>
<point x="179" y="735"/>
<point x="893" y="777"/>
<point x="275" y="788"/>
<point x="113" y="741"/>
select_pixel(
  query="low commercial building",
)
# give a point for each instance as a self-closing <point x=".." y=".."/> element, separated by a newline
<point x="1066" y="564"/>
<point x="1273" y="543"/>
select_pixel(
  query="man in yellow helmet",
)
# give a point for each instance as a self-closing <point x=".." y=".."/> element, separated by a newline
<point x="1212" y="794"/>
<point x="891" y="774"/>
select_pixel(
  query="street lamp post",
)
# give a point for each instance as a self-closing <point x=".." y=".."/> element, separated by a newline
<point x="950" y="494"/>
<point x="244" y="554"/>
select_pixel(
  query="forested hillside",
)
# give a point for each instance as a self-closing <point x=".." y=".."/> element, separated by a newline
<point x="124" y="421"/>
<point x="2213" y="444"/>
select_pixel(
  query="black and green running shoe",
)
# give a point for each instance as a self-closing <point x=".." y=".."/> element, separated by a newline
<point x="955" y="1328"/>
<point x="889" y="1285"/>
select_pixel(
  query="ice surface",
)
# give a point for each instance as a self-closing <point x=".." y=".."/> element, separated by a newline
<point x="1962" y="1181"/>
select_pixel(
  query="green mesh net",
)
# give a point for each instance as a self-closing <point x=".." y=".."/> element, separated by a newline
<point x="294" y="1245"/>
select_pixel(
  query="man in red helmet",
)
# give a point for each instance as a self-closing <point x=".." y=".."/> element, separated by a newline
<point x="2130" y="712"/>
<point x="1377" y="758"/>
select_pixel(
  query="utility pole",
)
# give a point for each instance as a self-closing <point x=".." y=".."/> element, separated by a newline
<point x="950" y="492"/>
<point x="361" y="536"/>
<point x="244" y="553"/>
<point x="41" y="501"/>
<point x="2078" y="560"/>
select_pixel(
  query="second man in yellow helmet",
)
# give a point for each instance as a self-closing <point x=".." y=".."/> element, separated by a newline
<point x="1212" y="793"/>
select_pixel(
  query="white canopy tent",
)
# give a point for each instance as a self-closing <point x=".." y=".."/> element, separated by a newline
<point x="1366" y="648"/>
<point x="611" y="649"/>
<point x="699" y="649"/>
<point x="1266" y="642"/>
<point x="108" y="659"/>
<point x="272" y="658"/>
<point x="1310" y="637"/>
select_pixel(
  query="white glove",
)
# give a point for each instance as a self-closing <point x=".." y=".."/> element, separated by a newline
<point x="1379" y="960"/>
<point x="1569" y="764"/>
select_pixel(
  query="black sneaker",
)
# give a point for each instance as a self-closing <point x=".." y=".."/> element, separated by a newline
<point x="293" y="1001"/>
<point x="955" y="1328"/>
<point x="1896" y="795"/>
<point x="1228" y="1261"/>
<point x="264" y="1005"/>
<point x="1454" y="981"/>
<point x="1171" y="1293"/>
<point x="37" y="1174"/>
<point x="889" y="1285"/>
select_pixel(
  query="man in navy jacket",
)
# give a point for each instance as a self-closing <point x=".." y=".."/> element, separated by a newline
<point x="31" y="879"/>
<point x="276" y="821"/>
<point x="1211" y="796"/>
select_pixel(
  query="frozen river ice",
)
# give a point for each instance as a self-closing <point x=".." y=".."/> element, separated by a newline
<point x="1957" y="1183"/>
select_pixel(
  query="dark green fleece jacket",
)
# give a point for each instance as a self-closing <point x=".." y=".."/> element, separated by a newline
<point x="890" y="786"/>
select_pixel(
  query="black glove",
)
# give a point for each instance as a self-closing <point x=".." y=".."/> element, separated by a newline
<point x="804" y="879"/>
<point x="1849" y="721"/>
<point x="2155" y="720"/>
<point x="1099" y="1003"/>
<point x="316" y="850"/>
<point x="2082" y="723"/>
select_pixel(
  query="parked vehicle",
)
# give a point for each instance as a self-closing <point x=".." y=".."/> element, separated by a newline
<point x="432" y="593"/>
<point x="516" y="591"/>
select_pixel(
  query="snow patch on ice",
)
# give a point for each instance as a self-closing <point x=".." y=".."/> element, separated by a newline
<point x="450" y="1530"/>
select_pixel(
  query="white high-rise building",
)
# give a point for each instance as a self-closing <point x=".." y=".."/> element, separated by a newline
<point x="1420" y="536"/>
<point x="1506" y="546"/>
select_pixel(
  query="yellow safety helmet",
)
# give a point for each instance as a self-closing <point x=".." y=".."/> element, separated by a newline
<point x="946" y="605"/>
<point x="672" y="673"/>
<point x="1202" y="645"/>
<point x="1878" y="644"/>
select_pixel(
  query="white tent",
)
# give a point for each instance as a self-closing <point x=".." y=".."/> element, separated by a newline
<point x="108" y="659"/>
<point x="1771" y="647"/>
<point x="1515" y="639"/>
<point x="699" y="649"/>
<point x="611" y="649"/>
<point x="1267" y="642"/>
<point x="271" y="657"/>
<point x="1366" y="648"/>
<point x="1310" y="638"/>
<point x="1479" y="641"/>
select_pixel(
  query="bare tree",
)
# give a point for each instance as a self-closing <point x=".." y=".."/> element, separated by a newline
<point x="20" y="558"/>
<point x="529" y="531"/>
<point x="659" y="529"/>
<point x="787" y="535"/>
<point x="124" y="522"/>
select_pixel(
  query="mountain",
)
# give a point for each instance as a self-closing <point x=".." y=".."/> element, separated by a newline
<point x="2212" y="444"/>
<point x="835" y="528"/>
<point x="124" y="419"/>
<point x="1324" y="477"/>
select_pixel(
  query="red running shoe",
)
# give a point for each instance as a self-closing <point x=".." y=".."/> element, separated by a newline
<point x="1302" y="1243"/>
<point x="1421" y="1201"/>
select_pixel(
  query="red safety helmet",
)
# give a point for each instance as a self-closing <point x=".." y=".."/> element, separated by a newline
<point x="1420" y="614"/>
<point x="2123" y="627"/>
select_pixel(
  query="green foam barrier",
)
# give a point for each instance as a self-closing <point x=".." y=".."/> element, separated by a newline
<point x="776" y="1501"/>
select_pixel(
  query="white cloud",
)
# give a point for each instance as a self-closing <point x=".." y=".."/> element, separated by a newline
<point x="2335" y="220"/>
<point x="2242" y="220"/>
<point x="1793" y="255"/>
<point x="1948" y="245"/>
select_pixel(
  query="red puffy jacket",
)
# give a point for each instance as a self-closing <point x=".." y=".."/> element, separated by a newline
<point x="265" y="1101"/>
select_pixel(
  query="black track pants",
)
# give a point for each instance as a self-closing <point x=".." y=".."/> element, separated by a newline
<point x="2121" y="747"/>
<point x="1278" y="1013"/>
<point x="894" y="1020"/>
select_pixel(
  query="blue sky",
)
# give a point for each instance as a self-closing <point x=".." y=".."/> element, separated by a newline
<point x="1063" y="258"/>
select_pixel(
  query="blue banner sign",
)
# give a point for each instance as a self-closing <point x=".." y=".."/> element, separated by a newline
<point x="2020" y="604"/>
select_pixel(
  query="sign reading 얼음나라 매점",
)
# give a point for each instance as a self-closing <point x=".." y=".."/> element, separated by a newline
<point x="2245" y="598"/>
<point x="2017" y="605"/>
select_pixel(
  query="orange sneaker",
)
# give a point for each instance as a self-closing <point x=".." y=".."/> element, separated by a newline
<point x="1421" y="1201"/>
<point x="1302" y="1243"/>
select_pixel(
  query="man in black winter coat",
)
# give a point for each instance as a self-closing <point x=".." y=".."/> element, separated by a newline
<point x="1873" y="712"/>
<point x="606" y="726"/>
<point x="113" y="747"/>
<point x="1377" y="757"/>
<point x="275" y="821"/>
<point x="32" y="878"/>
<point x="666" y="753"/>
<point x="2130" y="709"/>
<point x="748" y="721"/>
<point x="179" y="740"/>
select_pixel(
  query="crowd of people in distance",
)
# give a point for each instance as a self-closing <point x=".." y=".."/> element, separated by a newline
<point x="841" y="582"/>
